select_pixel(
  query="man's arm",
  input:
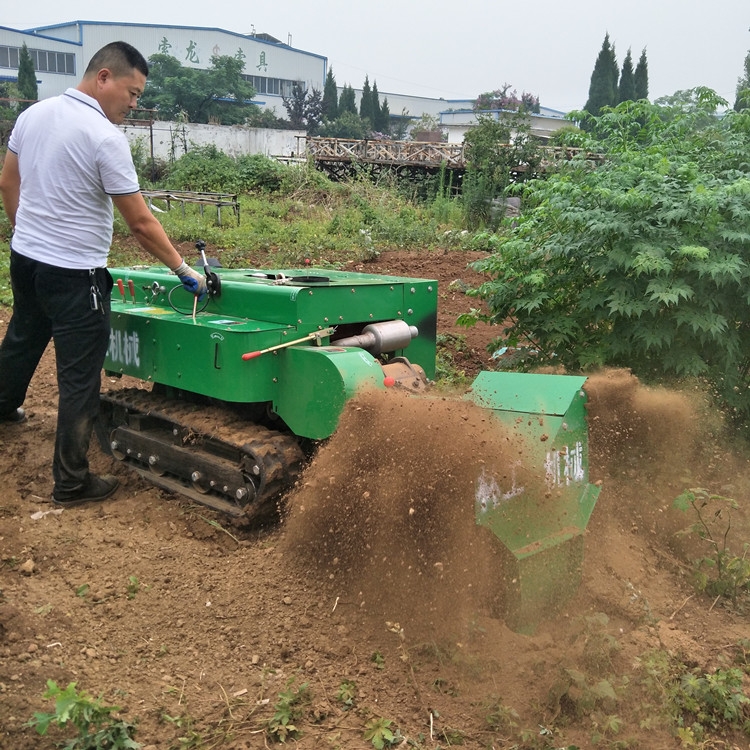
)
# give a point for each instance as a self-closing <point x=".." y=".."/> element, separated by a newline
<point x="152" y="238"/>
<point x="147" y="229"/>
<point x="10" y="186"/>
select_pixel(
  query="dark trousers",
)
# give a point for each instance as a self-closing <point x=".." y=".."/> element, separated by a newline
<point x="55" y="303"/>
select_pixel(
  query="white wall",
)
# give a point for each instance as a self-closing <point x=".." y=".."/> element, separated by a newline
<point x="172" y="139"/>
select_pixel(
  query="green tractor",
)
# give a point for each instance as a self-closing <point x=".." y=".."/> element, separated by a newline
<point x="233" y="392"/>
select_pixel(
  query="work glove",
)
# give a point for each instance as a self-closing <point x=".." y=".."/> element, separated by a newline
<point x="192" y="281"/>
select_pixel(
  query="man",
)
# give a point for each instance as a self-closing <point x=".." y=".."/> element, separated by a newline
<point x="66" y="164"/>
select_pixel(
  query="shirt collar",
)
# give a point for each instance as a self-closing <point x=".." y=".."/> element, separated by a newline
<point x="85" y="99"/>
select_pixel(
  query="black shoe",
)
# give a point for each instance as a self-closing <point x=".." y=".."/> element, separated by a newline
<point x="94" y="490"/>
<point x="15" y="416"/>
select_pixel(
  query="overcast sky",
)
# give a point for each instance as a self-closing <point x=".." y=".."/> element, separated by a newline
<point x="462" y="48"/>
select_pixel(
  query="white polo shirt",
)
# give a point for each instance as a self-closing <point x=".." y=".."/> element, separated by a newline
<point x="71" y="160"/>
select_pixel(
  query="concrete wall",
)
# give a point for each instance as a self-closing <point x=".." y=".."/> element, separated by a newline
<point x="173" y="139"/>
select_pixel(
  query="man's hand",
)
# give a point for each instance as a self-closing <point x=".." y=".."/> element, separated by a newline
<point x="192" y="281"/>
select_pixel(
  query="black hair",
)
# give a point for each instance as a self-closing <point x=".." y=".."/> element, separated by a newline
<point x="120" y="57"/>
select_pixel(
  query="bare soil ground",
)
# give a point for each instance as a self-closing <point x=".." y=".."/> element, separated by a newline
<point x="371" y="597"/>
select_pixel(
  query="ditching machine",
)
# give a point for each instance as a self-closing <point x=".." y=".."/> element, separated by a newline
<point x="244" y="384"/>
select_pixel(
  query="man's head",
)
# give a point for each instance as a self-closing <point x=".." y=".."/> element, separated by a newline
<point x="115" y="77"/>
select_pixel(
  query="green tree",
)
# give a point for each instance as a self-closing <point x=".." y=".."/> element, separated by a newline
<point x="365" y="103"/>
<point x="377" y="120"/>
<point x="346" y="125"/>
<point x="218" y="94"/>
<point x="304" y="108"/>
<point x="603" y="86"/>
<point x="494" y="149"/>
<point x="507" y="99"/>
<point x="313" y="110"/>
<point x="347" y="100"/>
<point x="330" y="97"/>
<point x="8" y="110"/>
<point x="640" y="79"/>
<point x="642" y="261"/>
<point x="231" y="102"/>
<point x="742" y="100"/>
<point x="27" y="87"/>
<point x="384" y="126"/>
<point x="626" y="88"/>
<point x="400" y="124"/>
<point x="295" y="105"/>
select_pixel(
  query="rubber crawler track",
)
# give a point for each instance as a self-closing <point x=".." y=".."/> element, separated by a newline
<point x="277" y="454"/>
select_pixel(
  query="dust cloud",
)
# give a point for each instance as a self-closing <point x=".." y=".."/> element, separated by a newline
<point x="386" y="510"/>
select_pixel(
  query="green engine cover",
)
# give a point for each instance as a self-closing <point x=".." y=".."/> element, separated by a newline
<point x="156" y="338"/>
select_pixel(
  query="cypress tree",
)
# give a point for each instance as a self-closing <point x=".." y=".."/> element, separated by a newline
<point x="365" y="103"/>
<point x="603" y="86"/>
<point x="641" y="77"/>
<point x="742" y="100"/>
<point x="626" y="89"/>
<point x="27" y="87"/>
<point x="385" y="118"/>
<point x="375" y="107"/>
<point x="330" y="97"/>
<point x="347" y="100"/>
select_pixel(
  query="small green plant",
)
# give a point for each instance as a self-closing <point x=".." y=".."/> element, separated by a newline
<point x="92" y="719"/>
<point x="287" y="710"/>
<point x="189" y="738"/>
<point x="378" y="659"/>
<point x="447" y="371"/>
<point x="742" y="655"/>
<point x="499" y="717"/>
<point x="216" y="525"/>
<point x="714" y="701"/>
<point x="720" y="572"/>
<point x="347" y="693"/>
<point x="378" y="731"/>
<point x="134" y="586"/>
<point x="696" y="701"/>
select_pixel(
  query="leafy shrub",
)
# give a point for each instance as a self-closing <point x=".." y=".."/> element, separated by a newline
<point x="258" y="172"/>
<point x="643" y="261"/>
<point x="205" y="169"/>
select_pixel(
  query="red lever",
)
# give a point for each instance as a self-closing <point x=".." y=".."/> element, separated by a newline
<point x="131" y="288"/>
<point x="121" y="287"/>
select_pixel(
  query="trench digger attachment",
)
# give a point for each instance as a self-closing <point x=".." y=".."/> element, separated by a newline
<point x="224" y="399"/>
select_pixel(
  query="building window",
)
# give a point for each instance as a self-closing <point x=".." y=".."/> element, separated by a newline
<point x="44" y="61"/>
<point x="264" y="85"/>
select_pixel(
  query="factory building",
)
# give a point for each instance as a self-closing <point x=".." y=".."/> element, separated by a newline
<point x="61" y="54"/>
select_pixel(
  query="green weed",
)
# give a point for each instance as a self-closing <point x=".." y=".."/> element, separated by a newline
<point x="378" y="731"/>
<point x="133" y="587"/>
<point x="287" y="710"/>
<point x="719" y="572"/>
<point x="347" y="694"/>
<point x="697" y="702"/>
<point x="499" y="717"/>
<point x="92" y="719"/>
<point x="189" y="738"/>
